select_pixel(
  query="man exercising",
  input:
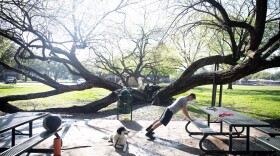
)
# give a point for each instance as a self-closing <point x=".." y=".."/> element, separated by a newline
<point x="180" y="103"/>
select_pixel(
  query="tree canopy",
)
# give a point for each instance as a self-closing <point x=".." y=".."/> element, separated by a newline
<point x="245" y="33"/>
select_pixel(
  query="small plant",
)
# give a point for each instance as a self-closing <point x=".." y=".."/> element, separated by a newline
<point x="34" y="105"/>
<point x="126" y="117"/>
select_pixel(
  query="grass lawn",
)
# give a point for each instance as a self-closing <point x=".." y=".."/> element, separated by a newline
<point x="61" y="100"/>
<point x="262" y="102"/>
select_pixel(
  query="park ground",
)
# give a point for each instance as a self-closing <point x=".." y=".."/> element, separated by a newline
<point x="87" y="137"/>
<point x="87" y="134"/>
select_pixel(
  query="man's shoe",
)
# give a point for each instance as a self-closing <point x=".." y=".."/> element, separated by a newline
<point x="150" y="135"/>
<point x="149" y="128"/>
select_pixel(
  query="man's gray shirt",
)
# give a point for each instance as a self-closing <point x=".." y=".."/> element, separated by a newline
<point x="178" y="104"/>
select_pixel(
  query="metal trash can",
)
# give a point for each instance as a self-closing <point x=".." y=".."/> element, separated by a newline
<point x="124" y="104"/>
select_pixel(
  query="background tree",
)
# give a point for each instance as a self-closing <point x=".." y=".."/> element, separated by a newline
<point x="189" y="45"/>
<point x="261" y="75"/>
<point x="276" y="76"/>
<point x="253" y="51"/>
<point x="48" y="28"/>
<point x="129" y="62"/>
<point x="53" y="70"/>
<point x="164" y="61"/>
<point x="131" y="53"/>
<point x="6" y="47"/>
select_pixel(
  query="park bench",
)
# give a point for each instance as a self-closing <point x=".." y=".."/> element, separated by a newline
<point x="205" y="130"/>
<point x="27" y="145"/>
<point x="272" y="143"/>
<point x="201" y="126"/>
<point x="271" y="132"/>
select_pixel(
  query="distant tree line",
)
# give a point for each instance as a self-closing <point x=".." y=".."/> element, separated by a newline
<point x="265" y="75"/>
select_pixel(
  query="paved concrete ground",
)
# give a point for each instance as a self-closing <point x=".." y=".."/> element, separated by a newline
<point x="171" y="140"/>
<point x="89" y="138"/>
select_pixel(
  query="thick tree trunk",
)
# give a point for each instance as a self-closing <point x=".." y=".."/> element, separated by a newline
<point x="30" y="96"/>
<point x="8" y="108"/>
<point x="98" y="105"/>
<point x="184" y="84"/>
<point x="229" y="86"/>
<point x="89" y="108"/>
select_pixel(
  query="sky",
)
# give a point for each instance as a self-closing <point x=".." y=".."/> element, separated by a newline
<point x="88" y="13"/>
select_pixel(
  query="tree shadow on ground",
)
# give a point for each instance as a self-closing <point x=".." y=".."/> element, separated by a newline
<point x="177" y="145"/>
<point x="212" y="143"/>
<point x="240" y="145"/>
<point x="122" y="153"/>
<point x="102" y="130"/>
<point x="133" y="125"/>
<point x="222" y="142"/>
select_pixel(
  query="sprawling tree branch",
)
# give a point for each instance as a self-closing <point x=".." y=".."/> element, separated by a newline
<point x="221" y="77"/>
<point x="207" y="61"/>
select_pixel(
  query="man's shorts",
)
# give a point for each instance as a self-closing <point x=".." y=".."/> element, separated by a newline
<point x="166" y="116"/>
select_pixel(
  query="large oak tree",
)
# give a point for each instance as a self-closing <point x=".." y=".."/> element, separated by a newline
<point x="252" y="29"/>
<point x="45" y="31"/>
<point x="39" y="31"/>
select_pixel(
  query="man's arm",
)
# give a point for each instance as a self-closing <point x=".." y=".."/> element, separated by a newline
<point x="186" y="112"/>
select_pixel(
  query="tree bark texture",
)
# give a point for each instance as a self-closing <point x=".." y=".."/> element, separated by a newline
<point x="230" y="86"/>
<point x="89" y="108"/>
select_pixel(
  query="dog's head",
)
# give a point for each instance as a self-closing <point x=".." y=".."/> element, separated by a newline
<point x="122" y="130"/>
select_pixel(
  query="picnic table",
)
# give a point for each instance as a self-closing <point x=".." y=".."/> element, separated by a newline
<point x="14" y="121"/>
<point x="232" y="119"/>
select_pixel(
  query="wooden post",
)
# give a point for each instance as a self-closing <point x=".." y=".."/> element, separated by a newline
<point x="57" y="143"/>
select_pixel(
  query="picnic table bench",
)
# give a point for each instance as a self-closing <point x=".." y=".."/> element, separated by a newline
<point x="272" y="142"/>
<point x="271" y="132"/>
<point x="205" y="130"/>
<point x="11" y="123"/>
<point x="201" y="126"/>
<point x="269" y="142"/>
<point x="27" y="145"/>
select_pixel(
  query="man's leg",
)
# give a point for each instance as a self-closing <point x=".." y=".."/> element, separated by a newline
<point x="156" y="121"/>
<point x="147" y="129"/>
<point x="156" y="125"/>
<point x="150" y="132"/>
<point x="164" y="119"/>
